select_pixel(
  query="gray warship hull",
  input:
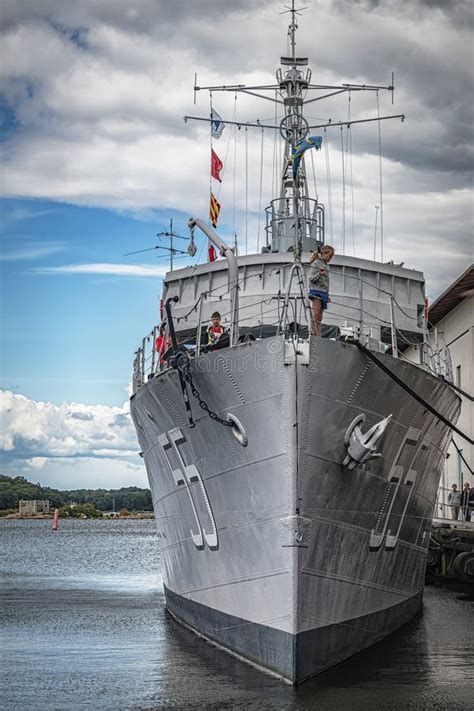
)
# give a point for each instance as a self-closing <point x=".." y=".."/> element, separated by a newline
<point x="275" y="550"/>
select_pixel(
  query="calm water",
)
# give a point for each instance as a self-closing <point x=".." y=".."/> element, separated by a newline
<point x="84" y="627"/>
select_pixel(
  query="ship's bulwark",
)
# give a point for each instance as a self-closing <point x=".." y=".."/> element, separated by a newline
<point x="274" y="550"/>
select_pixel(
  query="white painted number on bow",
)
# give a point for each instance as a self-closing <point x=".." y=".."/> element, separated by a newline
<point x="188" y="477"/>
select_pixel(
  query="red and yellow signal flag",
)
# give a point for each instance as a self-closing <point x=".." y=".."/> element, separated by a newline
<point x="214" y="211"/>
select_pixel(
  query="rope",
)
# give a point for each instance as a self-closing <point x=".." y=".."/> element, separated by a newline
<point x="350" y="152"/>
<point x="275" y="152"/>
<point x="246" y="190"/>
<point x="205" y="294"/>
<point x="314" y="175"/>
<point x="457" y="388"/>
<point x="380" y="177"/>
<point x="343" y="195"/>
<point x="407" y="389"/>
<point x="459" y="451"/>
<point x="260" y="193"/>
<point x="210" y="159"/>
<point x="328" y="179"/>
<point x="235" y="166"/>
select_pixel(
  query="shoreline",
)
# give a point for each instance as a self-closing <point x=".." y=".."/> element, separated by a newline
<point x="38" y="517"/>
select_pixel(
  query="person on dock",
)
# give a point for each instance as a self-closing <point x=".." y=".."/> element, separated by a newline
<point x="454" y="500"/>
<point x="319" y="286"/>
<point x="467" y="502"/>
<point x="215" y="330"/>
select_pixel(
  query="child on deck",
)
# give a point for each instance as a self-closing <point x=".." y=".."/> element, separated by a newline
<point x="319" y="285"/>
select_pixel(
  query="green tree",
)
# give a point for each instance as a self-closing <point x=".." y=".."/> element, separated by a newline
<point x="14" y="488"/>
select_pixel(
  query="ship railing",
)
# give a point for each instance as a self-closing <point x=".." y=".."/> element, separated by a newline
<point x="358" y="321"/>
<point x="280" y="223"/>
<point x="437" y="357"/>
<point x="289" y="313"/>
<point x="146" y="360"/>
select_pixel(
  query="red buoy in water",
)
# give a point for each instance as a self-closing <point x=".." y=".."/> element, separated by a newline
<point x="55" y="519"/>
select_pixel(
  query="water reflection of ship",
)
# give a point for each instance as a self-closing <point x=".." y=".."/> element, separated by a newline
<point x="294" y="507"/>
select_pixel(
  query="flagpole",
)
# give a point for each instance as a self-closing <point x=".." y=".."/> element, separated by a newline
<point x="246" y="192"/>
<point x="210" y="171"/>
<point x="171" y="245"/>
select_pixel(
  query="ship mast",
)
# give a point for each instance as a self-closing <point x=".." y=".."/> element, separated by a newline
<point x="293" y="129"/>
<point x="295" y="222"/>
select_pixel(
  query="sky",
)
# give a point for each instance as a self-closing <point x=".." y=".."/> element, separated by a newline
<point x="96" y="160"/>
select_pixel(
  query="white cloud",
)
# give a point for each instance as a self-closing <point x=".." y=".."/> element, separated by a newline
<point x="114" y="105"/>
<point x="100" y="93"/>
<point x="139" y="270"/>
<point x="41" y="429"/>
<point x="31" y="250"/>
<point x="85" y="473"/>
<point x="69" y="445"/>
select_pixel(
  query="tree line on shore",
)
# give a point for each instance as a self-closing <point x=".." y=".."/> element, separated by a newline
<point x="131" y="498"/>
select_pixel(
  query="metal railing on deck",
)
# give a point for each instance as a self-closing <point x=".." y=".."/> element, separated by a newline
<point x="290" y="314"/>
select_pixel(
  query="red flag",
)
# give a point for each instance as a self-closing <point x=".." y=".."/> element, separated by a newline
<point x="214" y="211"/>
<point x="216" y="165"/>
<point x="211" y="253"/>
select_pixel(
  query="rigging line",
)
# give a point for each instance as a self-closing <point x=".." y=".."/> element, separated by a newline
<point x="304" y="300"/>
<point x="343" y="195"/>
<point x="267" y="302"/>
<point x="205" y="294"/>
<point x="314" y="176"/>
<point x="193" y="308"/>
<point x="328" y="178"/>
<point x="226" y="152"/>
<point x="210" y="158"/>
<point x="383" y="291"/>
<point x="330" y="124"/>
<point x="377" y="319"/>
<point x="275" y="156"/>
<point x="457" y="388"/>
<point x="407" y="389"/>
<point x="352" y="193"/>
<point x="260" y="193"/>
<point x="235" y="164"/>
<point x="459" y="451"/>
<point x="193" y="267"/>
<point x="380" y="176"/>
<point x="246" y="191"/>
<point x="350" y="152"/>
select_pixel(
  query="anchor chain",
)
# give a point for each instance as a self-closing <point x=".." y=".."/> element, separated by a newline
<point x="181" y="362"/>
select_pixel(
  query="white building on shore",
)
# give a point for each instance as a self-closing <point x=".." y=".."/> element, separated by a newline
<point x="35" y="506"/>
<point x="451" y="318"/>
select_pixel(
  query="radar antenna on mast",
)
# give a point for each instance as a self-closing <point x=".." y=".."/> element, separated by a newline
<point x="293" y="26"/>
<point x="191" y="250"/>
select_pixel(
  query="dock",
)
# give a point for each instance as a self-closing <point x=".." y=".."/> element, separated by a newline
<point x="451" y="552"/>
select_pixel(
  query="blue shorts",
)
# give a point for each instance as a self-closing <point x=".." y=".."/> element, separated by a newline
<point x="323" y="296"/>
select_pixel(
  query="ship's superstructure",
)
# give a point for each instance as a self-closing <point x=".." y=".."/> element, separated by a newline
<point x="293" y="479"/>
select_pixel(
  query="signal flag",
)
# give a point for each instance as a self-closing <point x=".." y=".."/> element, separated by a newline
<point x="214" y="211"/>
<point x="216" y="165"/>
